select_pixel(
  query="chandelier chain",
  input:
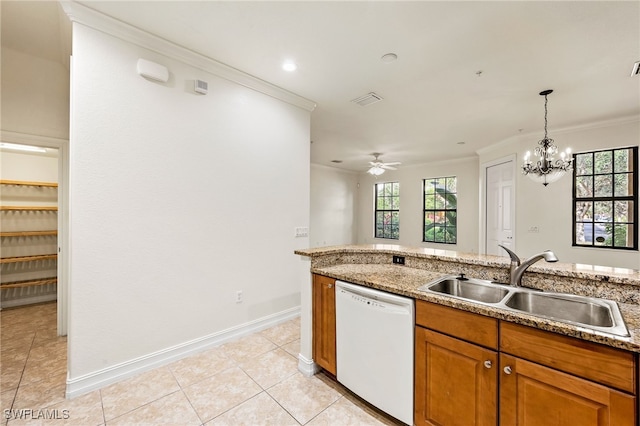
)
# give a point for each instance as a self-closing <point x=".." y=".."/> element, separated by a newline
<point x="545" y="116"/>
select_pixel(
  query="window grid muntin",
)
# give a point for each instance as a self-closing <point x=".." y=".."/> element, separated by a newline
<point x="448" y="213"/>
<point x="630" y="170"/>
<point x="390" y="229"/>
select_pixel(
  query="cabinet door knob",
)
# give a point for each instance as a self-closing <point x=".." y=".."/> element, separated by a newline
<point x="487" y="364"/>
<point x="329" y="285"/>
<point x="507" y="370"/>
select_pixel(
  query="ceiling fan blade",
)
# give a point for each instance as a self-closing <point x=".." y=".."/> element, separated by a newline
<point x="395" y="163"/>
<point x="388" y="167"/>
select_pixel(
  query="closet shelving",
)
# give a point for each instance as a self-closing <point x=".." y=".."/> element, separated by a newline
<point x="12" y="236"/>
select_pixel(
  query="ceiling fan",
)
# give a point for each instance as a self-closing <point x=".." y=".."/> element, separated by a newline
<point x="378" y="167"/>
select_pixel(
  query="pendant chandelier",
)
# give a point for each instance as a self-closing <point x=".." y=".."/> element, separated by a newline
<point x="547" y="170"/>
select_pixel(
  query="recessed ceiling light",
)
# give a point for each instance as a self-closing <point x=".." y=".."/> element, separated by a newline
<point x="636" y="69"/>
<point x="460" y="143"/>
<point x="289" y="66"/>
<point x="389" y="57"/>
<point x="336" y="161"/>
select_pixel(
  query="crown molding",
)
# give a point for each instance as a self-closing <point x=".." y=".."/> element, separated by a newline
<point x="333" y="169"/>
<point x="86" y="16"/>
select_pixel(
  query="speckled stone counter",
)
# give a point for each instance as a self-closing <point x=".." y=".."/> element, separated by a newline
<point x="371" y="266"/>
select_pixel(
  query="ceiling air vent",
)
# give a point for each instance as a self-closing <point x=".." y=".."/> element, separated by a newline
<point x="368" y="99"/>
<point x="636" y="69"/>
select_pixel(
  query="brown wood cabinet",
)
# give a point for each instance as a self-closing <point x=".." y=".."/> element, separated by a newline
<point x="324" y="322"/>
<point x="534" y="395"/>
<point x="549" y="379"/>
<point x="456" y="378"/>
<point x="455" y="381"/>
<point x="535" y="377"/>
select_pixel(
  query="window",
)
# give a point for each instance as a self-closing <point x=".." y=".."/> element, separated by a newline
<point x="605" y="199"/>
<point x="388" y="210"/>
<point x="440" y="210"/>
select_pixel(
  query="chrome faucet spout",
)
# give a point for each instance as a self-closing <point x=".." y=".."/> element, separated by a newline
<point x="517" y="267"/>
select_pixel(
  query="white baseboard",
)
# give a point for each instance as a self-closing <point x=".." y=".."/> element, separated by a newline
<point x="89" y="382"/>
<point x="307" y="366"/>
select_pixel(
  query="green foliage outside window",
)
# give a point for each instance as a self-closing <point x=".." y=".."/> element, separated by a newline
<point x="605" y="198"/>
<point x="387" y="211"/>
<point x="440" y="210"/>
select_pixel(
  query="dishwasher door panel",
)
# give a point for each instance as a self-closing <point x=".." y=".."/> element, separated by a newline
<point x="375" y="347"/>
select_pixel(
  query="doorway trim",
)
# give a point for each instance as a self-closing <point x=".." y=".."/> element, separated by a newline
<point x="482" y="225"/>
<point x="62" y="145"/>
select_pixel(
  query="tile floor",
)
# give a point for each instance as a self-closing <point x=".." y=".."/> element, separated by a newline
<point x="250" y="381"/>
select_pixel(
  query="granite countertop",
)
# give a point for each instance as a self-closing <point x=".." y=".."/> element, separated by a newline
<point x="571" y="270"/>
<point x="406" y="281"/>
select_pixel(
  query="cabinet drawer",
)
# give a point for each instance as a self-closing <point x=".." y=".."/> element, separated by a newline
<point x="464" y="325"/>
<point x="599" y="363"/>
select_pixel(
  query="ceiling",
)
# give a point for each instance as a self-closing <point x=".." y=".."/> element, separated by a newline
<point x="466" y="71"/>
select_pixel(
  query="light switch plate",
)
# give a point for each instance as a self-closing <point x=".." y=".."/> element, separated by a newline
<point x="302" y="231"/>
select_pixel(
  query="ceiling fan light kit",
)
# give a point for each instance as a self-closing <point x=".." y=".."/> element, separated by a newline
<point x="546" y="169"/>
<point x="378" y="167"/>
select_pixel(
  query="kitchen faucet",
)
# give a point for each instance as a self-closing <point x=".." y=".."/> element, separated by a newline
<point x="517" y="268"/>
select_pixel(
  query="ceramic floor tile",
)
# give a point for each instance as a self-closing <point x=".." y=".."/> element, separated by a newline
<point x="248" y="347"/>
<point x="6" y="399"/>
<point x="20" y="341"/>
<point x="36" y="370"/>
<point x="127" y="395"/>
<point x="293" y="348"/>
<point x="217" y="394"/>
<point x="173" y="409"/>
<point x="259" y="410"/>
<point x="41" y="394"/>
<point x="283" y="333"/>
<point x="198" y="367"/>
<point x="270" y="368"/>
<point x="11" y="373"/>
<point x="346" y="412"/>
<point x="303" y="397"/>
<point x="84" y="410"/>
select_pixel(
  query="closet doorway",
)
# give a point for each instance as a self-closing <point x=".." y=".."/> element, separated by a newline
<point x="33" y="180"/>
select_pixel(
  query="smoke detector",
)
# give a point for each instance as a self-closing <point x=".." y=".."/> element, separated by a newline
<point x="368" y="99"/>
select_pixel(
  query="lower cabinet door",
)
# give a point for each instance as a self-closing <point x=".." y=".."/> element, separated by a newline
<point x="534" y="395"/>
<point x="455" y="381"/>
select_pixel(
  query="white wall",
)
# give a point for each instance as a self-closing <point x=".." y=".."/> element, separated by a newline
<point x="35" y="95"/>
<point x="28" y="167"/>
<point x="334" y="196"/>
<point x="549" y="208"/>
<point x="177" y="201"/>
<point x="411" y="205"/>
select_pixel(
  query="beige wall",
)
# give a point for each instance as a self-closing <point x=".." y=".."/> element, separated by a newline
<point x="549" y="208"/>
<point x="35" y="95"/>
<point x="411" y="205"/>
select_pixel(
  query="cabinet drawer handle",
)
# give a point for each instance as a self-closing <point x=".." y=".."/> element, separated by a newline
<point x="507" y="370"/>
<point x="487" y="364"/>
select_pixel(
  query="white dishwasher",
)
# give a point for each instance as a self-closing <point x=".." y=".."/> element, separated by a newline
<point x="374" y="345"/>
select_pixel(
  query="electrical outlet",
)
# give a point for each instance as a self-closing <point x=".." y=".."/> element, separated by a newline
<point x="302" y="231"/>
<point x="239" y="296"/>
<point x="398" y="260"/>
<point x="534" y="229"/>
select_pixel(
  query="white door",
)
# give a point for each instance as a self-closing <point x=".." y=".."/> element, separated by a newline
<point x="500" y="181"/>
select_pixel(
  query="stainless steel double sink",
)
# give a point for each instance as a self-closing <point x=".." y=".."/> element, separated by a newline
<point x="595" y="314"/>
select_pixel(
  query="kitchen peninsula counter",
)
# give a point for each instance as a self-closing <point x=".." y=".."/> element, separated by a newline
<point x="372" y="266"/>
